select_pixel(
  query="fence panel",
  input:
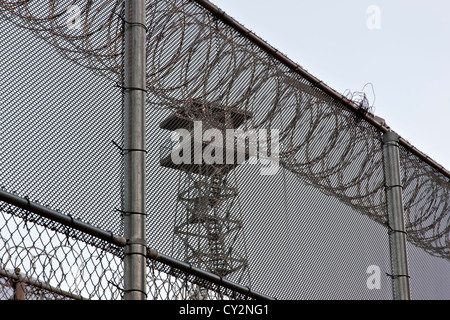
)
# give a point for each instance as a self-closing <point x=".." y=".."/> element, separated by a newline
<point x="305" y="218"/>
<point x="54" y="264"/>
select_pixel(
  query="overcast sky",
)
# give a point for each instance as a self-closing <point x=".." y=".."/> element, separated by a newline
<point x="402" y="47"/>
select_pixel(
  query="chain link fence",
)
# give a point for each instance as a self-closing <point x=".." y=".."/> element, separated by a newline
<point x="40" y="263"/>
<point x="46" y="255"/>
<point x="310" y="229"/>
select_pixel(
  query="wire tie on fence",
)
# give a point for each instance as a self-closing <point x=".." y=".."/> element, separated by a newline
<point x="129" y="88"/>
<point x="115" y="285"/>
<point x="127" y="213"/>
<point x="28" y="203"/>
<point x="134" y="253"/>
<point x="131" y="23"/>
<point x="27" y="212"/>
<point x="100" y="255"/>
<point x="391" y="231"/>
<point x="386" y="188"/>
<point x="117" y="145"/>
<point x="67" y="229"/>
<point x="248" y="290"/>
<point x="67" y="236"/>
<point x="125" y="151"/>
<point x="392" y="276"/>
<point x="135" y="290"/>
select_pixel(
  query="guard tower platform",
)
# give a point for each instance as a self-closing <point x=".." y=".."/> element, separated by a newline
<point x="212" y="116"/>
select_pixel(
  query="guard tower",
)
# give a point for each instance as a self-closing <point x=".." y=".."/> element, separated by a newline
<point x="208" y="224"/>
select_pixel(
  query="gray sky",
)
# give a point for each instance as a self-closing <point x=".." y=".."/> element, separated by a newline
<point x="406" y="59"/>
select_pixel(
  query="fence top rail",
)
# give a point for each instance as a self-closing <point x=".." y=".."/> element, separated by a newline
<point x="351" y="105"/>
<point x="66" y="220"/>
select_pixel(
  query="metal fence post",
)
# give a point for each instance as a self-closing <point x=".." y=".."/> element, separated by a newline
<point x="19" y="286"/>
<point x="396" y="223"/>
<point x="133" y="205"/>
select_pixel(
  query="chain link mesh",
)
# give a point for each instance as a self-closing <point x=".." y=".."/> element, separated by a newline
<point x="166" y="283"/>
<point x="37" y="262"/>
<point x="53" y="265"/>
<point x="308" y="231"/>
<point x="57" y="123"/>
<point x="427" y="222"/>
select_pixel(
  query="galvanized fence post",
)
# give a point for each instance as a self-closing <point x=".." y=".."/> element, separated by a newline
<point x="134" y="150"/>
<point x="396" y="222"/>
